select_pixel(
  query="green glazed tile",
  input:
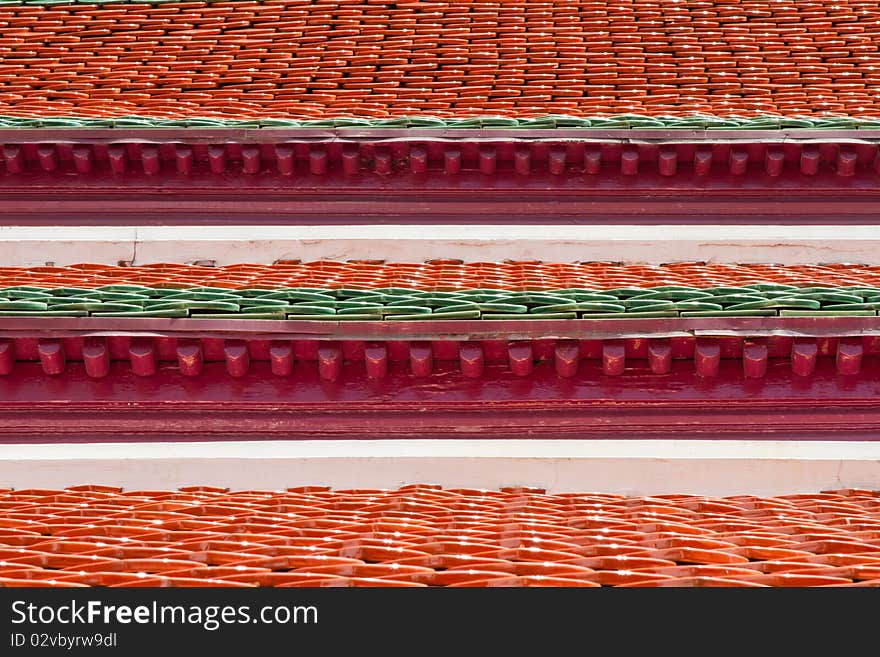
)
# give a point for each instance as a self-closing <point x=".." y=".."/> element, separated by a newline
<point x="108" y="307"/>
<point x="827" y="313"/>
<point x="23" y="305"/>
<point x="253" y="292"/>
<point x="63" y="301"/>
<point x="509" y="308"/>
<point x="278" y="315"/>
<point x="834" y="297"/>
<point x="697" y="306"/>
<point x="728" y="313"/>
<point x="121" y="296"/>
<point x="736" y="298"/>
<point x="649" y="307"/>
<point x="293" y="295"/>
<point x="199" y="305"/>
<point x="454" y="307"/>
<point x="261" y="302"/>
<point x="370" y="299"/>
<point x="530" y="317"/>
<point x="170" y="312"/>
<point x="819" y="290"/>
<point x="68" y="291"/>
<point x="808" y="304"/>
<point x="429" y="302"/>
<point x="589" y="297"/>
<point x="468" y="314"/>
<point x="375" y="311"/>
<point x="286" y="308"/>
<point x="406" y="310"/>
<point x="203" y="296"/>
<point x="161" y="303"/>
<point x="627" y="292"/>
<point x="359" y="317"/>
<point x="650" y="304"/>
<point x="44" y="313"/>
<point x="636" y="315"/>
<point x="207" y="289"/>
<point x="404" y="291"/>
<point x="346" y="293"/>
<point x="161" y="292"/>
<point x="388" y="299"/>
<point x="533" y="299"/>
<point x="24" y="294"/>
<point x="308" y="309"/>
<point x="673" y="295"/>
<point x="481" y="296"/>
<point x="442" y="295"/>
<point x="862" y="291"/>
<point x="853" y="306"/>
<point x="724" y="290"/>
<point x="579" y="307"/>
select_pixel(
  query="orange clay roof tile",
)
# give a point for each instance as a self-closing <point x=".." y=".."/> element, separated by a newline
<point x="418" y="536"/>
<point x="442" y="274"/>
<point x="516" y="58"/>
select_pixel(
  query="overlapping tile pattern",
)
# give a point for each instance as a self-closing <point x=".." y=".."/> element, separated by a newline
<point x="516" y="58"/>
<point x="441" y="275"/>
<point x="392" y="303"/>
<point x="422" y="535"/>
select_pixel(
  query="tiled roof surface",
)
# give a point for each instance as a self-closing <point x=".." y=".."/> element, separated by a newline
<point x="363" y="290"/>
<point x="423" y="535"/>
<point x="517" y="58"/>
<point x="442" y="275"/>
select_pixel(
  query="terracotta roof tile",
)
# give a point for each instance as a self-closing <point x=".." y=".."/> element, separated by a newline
<point x="517" y="58"/>
<point x="422" y="535"/>
<point x="442" y="274"/>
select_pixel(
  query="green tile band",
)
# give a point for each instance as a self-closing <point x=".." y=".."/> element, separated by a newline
<point x="403" y="304"/>
<point x="550" y="122"/>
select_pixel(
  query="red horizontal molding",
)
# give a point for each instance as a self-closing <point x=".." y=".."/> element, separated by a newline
<point x="818" y="326"/>
<point x="499" y="404"/>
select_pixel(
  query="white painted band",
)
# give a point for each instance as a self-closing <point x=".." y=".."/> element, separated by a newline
<point x="65" y="245"/>
<point x="631" y="467"/>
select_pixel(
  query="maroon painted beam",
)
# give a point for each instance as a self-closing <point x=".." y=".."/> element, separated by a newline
<point x="482" y="329"/>
<point x="499" y="403"/>
<point x="108" y="179"/>
<point x="421" y="358"/>
<point x="202" y="135"/>
<point x="122" y="387"/>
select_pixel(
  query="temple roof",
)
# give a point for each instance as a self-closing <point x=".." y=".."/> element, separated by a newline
<point x="422" y="535"/>
<point x="441" y="62"/>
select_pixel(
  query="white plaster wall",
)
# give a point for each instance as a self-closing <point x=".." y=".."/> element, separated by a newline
<point x="631" y="467"/>
<point x="30" y="246"/>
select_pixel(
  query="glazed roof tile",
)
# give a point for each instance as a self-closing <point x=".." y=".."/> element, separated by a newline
<point x="517" y="59"/>
<point x="442" y="274"/>
<point x="422" y="535"/>
<point x="439" y="290"/>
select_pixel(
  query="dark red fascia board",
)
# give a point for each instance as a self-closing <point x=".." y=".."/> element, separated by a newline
<point x="741" y="377"/>
<point x="681" y="404"/>
<point x="482" y="329"/>
<point x="436" y="176"/>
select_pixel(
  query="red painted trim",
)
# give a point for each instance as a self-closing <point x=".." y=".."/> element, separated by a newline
<point x="483" y="329"/>
<point x="498" y="404"/>
<point x="105" y="177"/>
<point x="277" y="135"/>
